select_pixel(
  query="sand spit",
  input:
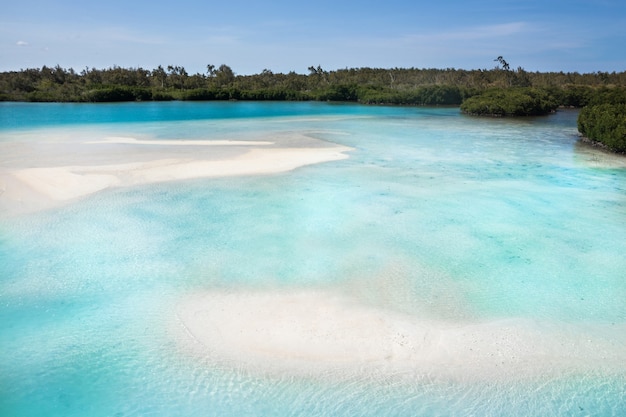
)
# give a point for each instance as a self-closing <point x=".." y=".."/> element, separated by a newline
<point x="316" y="331"/>
<point x="166" y="142"/>
<point x="36" y="176"/>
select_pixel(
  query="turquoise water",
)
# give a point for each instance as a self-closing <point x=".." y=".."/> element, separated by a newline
<point x="434" y="214"/>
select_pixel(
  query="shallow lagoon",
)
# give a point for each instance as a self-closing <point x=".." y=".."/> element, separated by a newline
<point x="434" y="215"/>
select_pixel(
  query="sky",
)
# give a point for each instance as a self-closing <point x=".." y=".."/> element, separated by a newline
<point x="291" y="35"/>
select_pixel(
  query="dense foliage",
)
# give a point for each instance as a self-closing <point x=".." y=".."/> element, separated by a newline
<point x="606" y="124"/>
<point x="518" y="101"/>
<point x="365" y="85"/>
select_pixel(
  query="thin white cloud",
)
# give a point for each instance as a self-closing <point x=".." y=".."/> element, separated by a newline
<point x="225" y="40"/>
<point x="114" y="35"/>
<point x="22" y="43"/>
<point x="493" y="32"/>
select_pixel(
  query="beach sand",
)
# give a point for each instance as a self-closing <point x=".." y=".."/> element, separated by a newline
<point x="39" y="175"/>
<point x="319" y="331"/>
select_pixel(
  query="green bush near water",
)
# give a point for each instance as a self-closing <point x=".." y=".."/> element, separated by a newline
<point x="433" y="95"/>
<point x="606" y="124"/>
<point x="510" y="102"/>
<point x="118" y="93"/>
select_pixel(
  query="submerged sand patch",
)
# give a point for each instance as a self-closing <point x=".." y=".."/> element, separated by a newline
<point x="35" y="176"/>
<point x="317" y="331"/>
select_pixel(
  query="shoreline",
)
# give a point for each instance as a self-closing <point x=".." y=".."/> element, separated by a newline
<point x="50" y="174"/>
<point x="596" y="144"/>
<point x="318" y="332"/>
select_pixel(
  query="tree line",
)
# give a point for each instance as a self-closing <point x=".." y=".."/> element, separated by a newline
<point x="365" y="85"/>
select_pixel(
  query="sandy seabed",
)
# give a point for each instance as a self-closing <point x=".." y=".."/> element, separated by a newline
<point x="298" y="331"/>
<point x="37" y="176"/>
<point x="320" y="331"/>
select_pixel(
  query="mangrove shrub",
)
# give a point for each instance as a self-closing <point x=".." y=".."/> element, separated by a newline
<point x="605" y="123"/>
<point x="510" y="102"/>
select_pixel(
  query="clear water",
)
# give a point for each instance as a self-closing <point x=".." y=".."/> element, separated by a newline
<point x="434" y="214"/>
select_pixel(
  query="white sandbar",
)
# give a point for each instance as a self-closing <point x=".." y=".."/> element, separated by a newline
<point x="36" y="176"/>
<point x="319" y="331"/>
<point x="183" y="142"/>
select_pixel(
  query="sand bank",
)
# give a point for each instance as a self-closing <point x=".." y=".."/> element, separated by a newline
<point x="183" y="142"/>
<point x="316" y="331"/>
<point x="37" y="176"/>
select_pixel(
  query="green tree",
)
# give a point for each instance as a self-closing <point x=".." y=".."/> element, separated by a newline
<point x="178" y="74"/>
<point x="224" y="75"/>
<point x="160" y="75"/>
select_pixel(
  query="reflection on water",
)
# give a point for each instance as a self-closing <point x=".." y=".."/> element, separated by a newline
<point x="435" y="215"/>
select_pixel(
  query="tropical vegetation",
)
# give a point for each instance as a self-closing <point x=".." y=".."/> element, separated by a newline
<point x="517" y="101"/>
<point x="605" y="124"/>
<point x="366" y="85"/>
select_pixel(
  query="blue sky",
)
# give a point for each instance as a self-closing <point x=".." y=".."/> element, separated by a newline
<point x="283" y="36"/>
